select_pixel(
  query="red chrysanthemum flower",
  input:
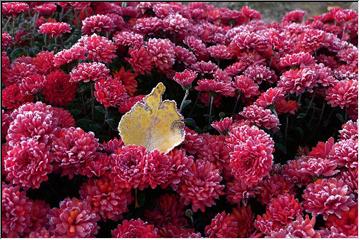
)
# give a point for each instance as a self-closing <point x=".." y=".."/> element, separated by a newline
<point x="5" y="123"/>
<point x="350" y="178"/>
<point x="128" y="166"/>
<point x="16" y="211"/>
<point x="110" y="92"/>
<point x="58" y="90"/>
<point x="197" y="46"/>
<point x="44" y="62"/>
<point x="73" y="218"/>
<point x="72" y="147"/>
<point x="250" y="152"/>
<point x="128" y="39"/>
<point x="260" y="117"/>
<point x="135" y="229"/>
<point x="12" y="97"/>
<point x="65" y="119"/>
<point x="85" y="72"/>
<point x="99" y="49"/>
<point x="185" y="78"/>
<point x="343" y="94"/>
<point x="260" y="73"/>
<point x="223" y="225"/>
<point x="173" y="231"/>
<point x="106" y="198"/>
<point x="40" y="233"/>
<point x="281" y="211"/>
<point x="28" y="163"/>
<point x="140" y="60"/>
<point x="19" y="70"/>
<point x="55" y="29"/>
<point x="286" y="106"/>
<point x="176" y="23"/>
<point x="269" y="97"/>
<point x="293" y="16"/>
<point x="168" y="210"/>
<point x="162" y="53"/>
<point x="14" y="8"/>
<point x="158" y="169"/>
<point x="128" y="79"/>
<point x="202" y="187"/>
<point x="205" y="68"/>
<point x="245" y="218"/>
<point x="243" y="41"/>
<point x="76" y="52"/>
<point x="219" y="52"/>
<point x="347" y="223"/>
<point x="97" y="24"/>
<point x="148" y="25"/>
<point x="327" y="197"/>
<point x="39" y="211"/>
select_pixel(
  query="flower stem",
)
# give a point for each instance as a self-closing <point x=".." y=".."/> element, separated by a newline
<point x="236" y="103"/>
<point x="137" y="205"/>
<point x="92" y="101"/>
<point x="184" y="99"/>
<point x="210" y="106"/>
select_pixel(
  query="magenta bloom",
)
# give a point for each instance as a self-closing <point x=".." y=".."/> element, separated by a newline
<point x="54" y="29"/>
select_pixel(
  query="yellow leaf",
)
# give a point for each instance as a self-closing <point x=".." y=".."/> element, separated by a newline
<point x="153" y="123"/>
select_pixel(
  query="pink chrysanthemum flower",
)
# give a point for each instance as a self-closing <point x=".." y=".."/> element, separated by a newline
<point x="247" y="87"/>
<point x="40" y="233"/>
<point x="98" y="167"/>
<point x="76" y="52"/>
<point x="349" y="130"/>
<point x="300" y="228"/>
<point x="327" y="197"/>
<point x="28" y="163"/>
<point x="219" y="52"/>
<point x="110" y="92"/>
<point x="6" y="40"/>
<point x="343" y="94"/>
<point x="35" y="125"/>
<point x="19" y="70"/>
<point x="148" y="25"/>
<point x="185" y="78"/>
<point x="106" y="198"/>
<point x="184" y="56"/>
<point x="223" y="125"/>
<point x="97" y="24"/>
<point x="16" y="211"/>
<point x="14" y="8"/>
<point x="32" y="84"/>
<point x="281" y="211"/>
<point x="73" y="218"/>
<point x="260" y="73"/>
<point x="243" y="41"/>
<point x="213" y="86"/>
<point x="135" y="229"/>
<point x="297" y="59"/>
<point x="99" y="49"/>
<point x="140" y="60"/>
<point x="162" y="53"/>
<point x="128" y="39"/>
<point x="202" y="187"/>
<point x="176" y="23"/>
<point x="345" y="153"/>
<point x="158" y="169"/>
<point x="129" y="166"/>
<point x="303" y="170"/>
<point x="72" y="147"/>
<point x="55" y="29"/>
<point x="298" y="80"/>
<point x="58" y="90"/>
<point x="250" y="152"/>
<point x="46" y="9"/>
<point x="197" y="46"/>
<point x="85" y="72"/>
<point x="260" y="117"/>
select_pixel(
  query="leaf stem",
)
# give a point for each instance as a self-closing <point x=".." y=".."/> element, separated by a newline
<point x="184" y="99"/>
<point x="210" y="106"/>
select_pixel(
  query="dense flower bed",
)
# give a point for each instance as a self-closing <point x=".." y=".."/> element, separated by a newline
<point x="270" y="109"/>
